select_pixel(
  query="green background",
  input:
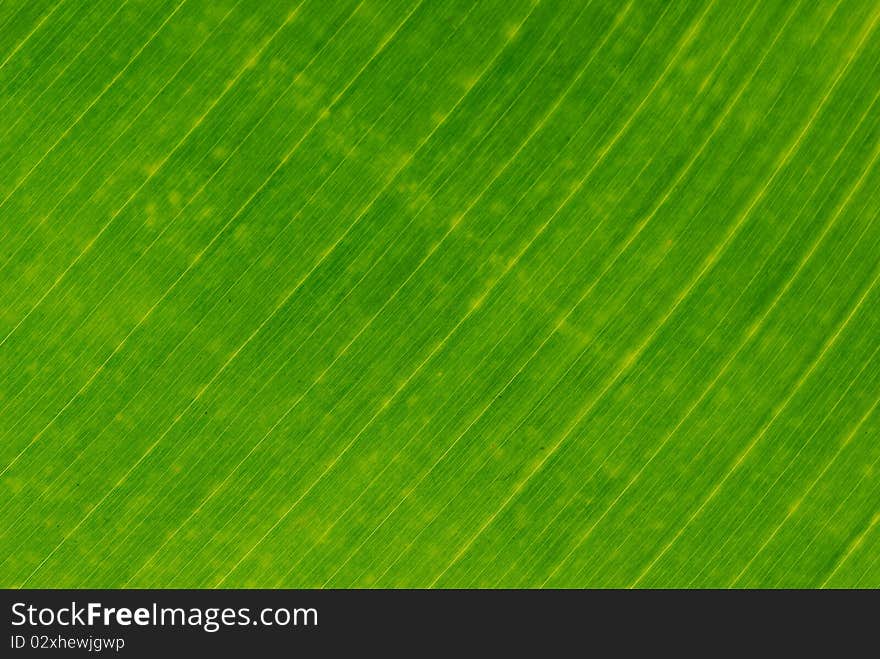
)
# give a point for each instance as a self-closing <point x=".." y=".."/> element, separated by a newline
<point x="447" y="293"/>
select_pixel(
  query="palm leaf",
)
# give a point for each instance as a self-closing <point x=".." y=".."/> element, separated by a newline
<point x="439" y="293"/>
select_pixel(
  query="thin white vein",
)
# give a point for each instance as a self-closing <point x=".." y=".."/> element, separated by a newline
<point x="382" y="46"/>
<point x="94" y="239"/>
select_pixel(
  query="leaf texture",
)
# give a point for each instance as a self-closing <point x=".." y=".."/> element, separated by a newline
<point x="474" y="294"/>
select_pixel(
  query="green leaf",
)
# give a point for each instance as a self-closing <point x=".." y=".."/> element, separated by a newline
<point x="439" y="293"/>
